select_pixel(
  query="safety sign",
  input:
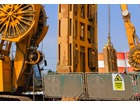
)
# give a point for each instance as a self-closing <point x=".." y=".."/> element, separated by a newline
<point x="118" y="82"/>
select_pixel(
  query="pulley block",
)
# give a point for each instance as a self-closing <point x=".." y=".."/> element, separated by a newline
<point x="36" y="57"/>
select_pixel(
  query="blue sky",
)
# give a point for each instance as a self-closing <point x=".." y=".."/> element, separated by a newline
<point x="117" y="31"/>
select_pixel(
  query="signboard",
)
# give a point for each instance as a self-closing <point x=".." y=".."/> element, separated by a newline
<point x="118" y="82"/>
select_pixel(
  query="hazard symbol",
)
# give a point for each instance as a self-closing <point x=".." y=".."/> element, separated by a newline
<point x="117" y="78"/>
<point x="118" y="82"/>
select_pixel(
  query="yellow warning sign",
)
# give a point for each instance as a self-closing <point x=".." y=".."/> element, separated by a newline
<point x="118" y="85"/>
<point x="117" y="78"/>
<point x="118" y="82"/>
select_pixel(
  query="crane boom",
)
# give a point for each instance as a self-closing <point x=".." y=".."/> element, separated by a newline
<point x="133" y="40"/>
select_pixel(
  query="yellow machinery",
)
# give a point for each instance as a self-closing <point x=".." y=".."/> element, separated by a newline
<point x="24" y="24"/>
<point x="133" y="41"/>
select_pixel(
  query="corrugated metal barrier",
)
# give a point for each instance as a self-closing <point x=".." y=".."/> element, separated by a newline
<point x="94" y="86"/>
<point x="63" y="85"/>
<point x="103" y="87"/>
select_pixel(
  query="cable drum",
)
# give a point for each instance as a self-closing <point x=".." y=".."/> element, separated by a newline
<point x="134" y="57"/>
<point x="16" y="20"/>
<point x="41" y="23"/>
<point x="42" y="20"/>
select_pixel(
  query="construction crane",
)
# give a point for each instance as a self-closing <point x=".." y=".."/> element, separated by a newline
<point x="25" y="25"/>
<point x="133" y="40"/>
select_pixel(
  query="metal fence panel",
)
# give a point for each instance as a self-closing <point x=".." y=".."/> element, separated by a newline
<point x="63" y="85"/>
<point x="100" y="86"/>
<point x="136" y="84"/>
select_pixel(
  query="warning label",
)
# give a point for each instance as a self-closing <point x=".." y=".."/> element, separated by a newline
<point x="118" y="82"/>
<point x="118" y="86"/>
<point x="117" y="78"/>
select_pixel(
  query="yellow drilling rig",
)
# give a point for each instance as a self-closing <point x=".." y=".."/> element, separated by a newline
<point x="24" y="25"/>
<point x="77" y="76"/>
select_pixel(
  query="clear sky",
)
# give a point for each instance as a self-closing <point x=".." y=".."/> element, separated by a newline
<point x="118" y="35"/>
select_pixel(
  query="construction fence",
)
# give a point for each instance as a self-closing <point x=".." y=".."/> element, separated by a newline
<point x="93" y="86"/>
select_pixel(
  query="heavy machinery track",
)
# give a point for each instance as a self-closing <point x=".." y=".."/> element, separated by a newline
<point x="14" y="98"/>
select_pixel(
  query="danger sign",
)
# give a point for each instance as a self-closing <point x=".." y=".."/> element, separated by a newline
<point x="117" y="78"/>
<point x="118" y="82"/>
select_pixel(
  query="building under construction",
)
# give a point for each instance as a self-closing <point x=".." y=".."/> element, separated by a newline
<point x="77" y="38"/>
